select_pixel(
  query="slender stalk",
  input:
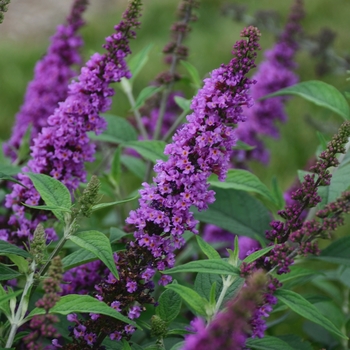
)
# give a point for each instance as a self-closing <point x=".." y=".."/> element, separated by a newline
<point x="21" y="310"/>
<point x="169" y="87"/>
<point x="128" y="92"/>
<point x="227" y="282"/>
<point x="175" y="125"/>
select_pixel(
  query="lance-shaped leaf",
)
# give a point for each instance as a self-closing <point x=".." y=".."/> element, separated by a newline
<point x="268" y="343"/>
<point x="192" y="298"/>
<point x="149" y="149"/>
<point x="79" y="257"/>
<point x="8" y="248"/>
<point x="243" y="180"/>
<point x="169" y="305"/>
<point x="97" y="243"/>
<point x="87" y="304"/>
<point x="338" y="252"/>
<point x="53" y="192"/>
<point x="7" y="274"/>
<point x="145" y="94"/>
<point x="256" y="255"/>
<point x="217" y="266"/>
<point x="319" y="93"/>
<point x="305" y="309"/>
<point x="110" y="204"/>
<point x="207" y="249"/>
<point x="137" y="62"/>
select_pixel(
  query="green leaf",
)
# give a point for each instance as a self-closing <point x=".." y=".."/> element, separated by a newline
<point x="136" y="165"/>
<point x="110" y="204"/>
<point x="217" y="266"/>
<point x="305" y="309"/>
<point x="268" y="343"/>
<point x="126" y="345"/>
<point x="149" y="149"/>
<point x="79" y="257"/>
<point x="256" y="255"/>
<point x="34" y="312"/>
<point x="97" y="243"/>
<point x="339" y="184"/>
<point x="49" y="208"/>
<point x="169" y="305"/>
<point x="296" y="342"/>
<point x="115" y="234"/>
<point x="118" y="131"/>
<point x="116" y="168"/>
<point x="337" y="252"/>
<point x="53" y="192"/>
<point x="179" y="345"/>
<point x="243" y="180"/>
<point x="8" y="248"/>
<point x="296" y="272"/>
<point x="193" y="72"/>
<point x="240" y="145"/>
<point x="207" y="249"/>
<point x="137" y="62"/>
<point x="7" y="274"/>
<point x="238" y="212"/>
<point x="204" y="281"/>
<point x="277" y="193"/>
<point x="9" y="169"/>
<point x="145" y="94"/>
<point x="322" y="140"/>
<point x="87" y="304"/>
<point x="319" y="93"/>
<point x="7" y="177"/>
<point x="192" y="298"/>
<point x="8" y="296"/>
<point x="183" y="103"/>
<point x="20" y="262"/>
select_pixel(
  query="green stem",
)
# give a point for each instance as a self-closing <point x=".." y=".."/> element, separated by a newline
<point x="175" y="125"/>
<point x="227" y="282"/>
<point x="21" y="310"/>
<point x="127" y="88"/>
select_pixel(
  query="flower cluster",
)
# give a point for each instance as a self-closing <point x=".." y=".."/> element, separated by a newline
<point x="42" y="326"/>
<point x="51" y="77"/>
<point x="273" y="74"/>
<point x="201" y="147"/>
<point x="175" y="50"/>
<point x="295" y="237"/>
<point x="62" y="147"/>
<point x="231" y="327"/>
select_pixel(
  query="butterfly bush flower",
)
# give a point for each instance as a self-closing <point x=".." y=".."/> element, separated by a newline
<point x="200" y="147"/>
<point x="294" y="236"/>
<point x="51" y="77"/>
<point x="62" y="148"/>
<point x="231" y="327"/>
<point x="273" y="74"/>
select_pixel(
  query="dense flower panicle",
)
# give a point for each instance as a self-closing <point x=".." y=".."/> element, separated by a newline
<point x="62" y="147"/>
<point x="51" y="77"/>
<point x="273" y="74"/>
<point x="199" y="148"/>
<point x="231" y="327"/>
<point x="294" y="236"/>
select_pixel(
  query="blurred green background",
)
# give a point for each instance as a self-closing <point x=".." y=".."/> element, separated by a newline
<point x="24" y="39"/>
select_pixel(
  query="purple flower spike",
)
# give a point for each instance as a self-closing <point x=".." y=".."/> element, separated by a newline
<point x="199" y="148"/>
<point x="62" y="148"/>
<point x="273" y="74"/>
<point x="51" y="77"/>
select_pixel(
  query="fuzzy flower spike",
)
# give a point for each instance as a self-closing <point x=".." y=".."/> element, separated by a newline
<point x="62" y="148"/>
<point x="201" y="147"/>
<point x="274" y="73"/>
<point x="51" y="77"/>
